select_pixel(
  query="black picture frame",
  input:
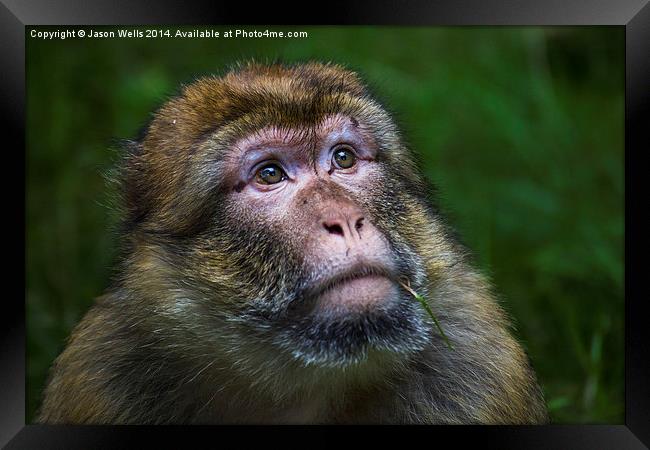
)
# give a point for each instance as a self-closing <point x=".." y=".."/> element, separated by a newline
<point x="634" y="15"/>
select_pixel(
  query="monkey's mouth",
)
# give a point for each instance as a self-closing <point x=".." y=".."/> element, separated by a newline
<point x="341" y="315"/>
<point x="359" y="287"/>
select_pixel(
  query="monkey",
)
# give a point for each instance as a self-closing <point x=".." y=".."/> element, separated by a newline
<point x="274" y="222"/>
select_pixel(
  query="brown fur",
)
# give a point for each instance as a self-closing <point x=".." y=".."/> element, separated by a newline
<point x="161" y="346"/>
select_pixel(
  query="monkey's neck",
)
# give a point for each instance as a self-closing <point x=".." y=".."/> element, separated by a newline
<point x="293" y="403"/>
<point x="287" y="392"/>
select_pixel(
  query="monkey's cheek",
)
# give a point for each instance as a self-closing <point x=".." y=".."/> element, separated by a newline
<point x="358" y="295"/>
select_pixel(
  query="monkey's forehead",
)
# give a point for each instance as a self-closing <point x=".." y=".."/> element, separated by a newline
<point x="259" y="96"/>
<point x="300" y="136"/>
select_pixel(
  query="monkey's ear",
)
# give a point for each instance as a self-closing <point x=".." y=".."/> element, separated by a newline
<point x="131" y="179"/>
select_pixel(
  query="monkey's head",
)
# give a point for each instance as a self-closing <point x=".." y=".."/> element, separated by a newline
<point x="277" y="208"/>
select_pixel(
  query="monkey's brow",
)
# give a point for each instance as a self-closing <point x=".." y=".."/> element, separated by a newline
<point x="305" y="141"/>
<point x="286" y="136"/>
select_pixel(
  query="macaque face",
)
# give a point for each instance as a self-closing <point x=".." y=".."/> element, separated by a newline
<point x="310" y="213"/>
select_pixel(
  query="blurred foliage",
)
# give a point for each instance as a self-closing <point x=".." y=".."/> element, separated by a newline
<point x="521" y="129"/>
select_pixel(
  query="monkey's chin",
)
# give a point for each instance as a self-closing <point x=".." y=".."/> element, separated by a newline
<point x="357" y="295"/>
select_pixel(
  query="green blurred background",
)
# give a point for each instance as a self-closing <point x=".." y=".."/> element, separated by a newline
<point x="521" y="129"/>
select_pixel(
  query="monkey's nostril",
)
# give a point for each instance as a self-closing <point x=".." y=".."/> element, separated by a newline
<point x="334" y="228"/>
<point x="359" y="224"/>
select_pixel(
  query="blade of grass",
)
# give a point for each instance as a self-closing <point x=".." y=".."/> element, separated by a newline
<point x="425" y="305"/>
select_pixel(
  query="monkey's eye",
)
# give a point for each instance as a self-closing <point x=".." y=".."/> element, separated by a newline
<point x="344" y="158"/>
<point x="270" y="174"/>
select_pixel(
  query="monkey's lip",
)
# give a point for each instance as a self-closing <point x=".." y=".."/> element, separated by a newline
<point x="362" y="285"/>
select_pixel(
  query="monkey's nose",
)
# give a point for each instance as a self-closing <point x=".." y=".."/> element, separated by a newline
<point x="347" y="227"/>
